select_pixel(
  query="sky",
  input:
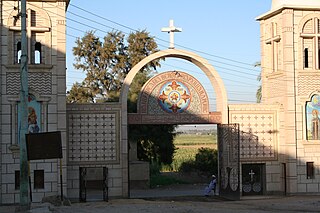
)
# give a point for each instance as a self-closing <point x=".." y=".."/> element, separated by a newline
<point x="224" y="32"/>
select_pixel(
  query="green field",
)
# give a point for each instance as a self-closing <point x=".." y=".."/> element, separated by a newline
<point x="187" y="146"/>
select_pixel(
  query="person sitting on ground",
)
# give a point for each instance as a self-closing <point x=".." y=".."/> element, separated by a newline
<point x="211" y="187"/>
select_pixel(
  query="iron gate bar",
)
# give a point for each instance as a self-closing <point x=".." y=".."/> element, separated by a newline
<point x="229" y="161"/>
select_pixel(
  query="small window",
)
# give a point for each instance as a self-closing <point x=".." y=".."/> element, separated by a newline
<point x="38" y="179"/>
<point x="16" y="180"/>
<point x="306" y="58"/>
<point x="19" y="52"/>
<point x="319" y="59"/>
<point x="310" y="170"/>
<point x="37" y="53"/>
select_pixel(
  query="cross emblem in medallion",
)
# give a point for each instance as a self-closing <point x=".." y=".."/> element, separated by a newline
<point x="174" y="97"/>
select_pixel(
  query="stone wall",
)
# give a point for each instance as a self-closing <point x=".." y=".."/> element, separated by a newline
<point x="259" y="140"/>
<point x="94" y="141"/>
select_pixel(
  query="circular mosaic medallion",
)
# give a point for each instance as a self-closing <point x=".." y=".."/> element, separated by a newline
<point x="174" y="97"/>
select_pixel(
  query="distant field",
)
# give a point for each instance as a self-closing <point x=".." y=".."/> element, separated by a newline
<point x="187" y="146"/>
<point x="193" y="139"/>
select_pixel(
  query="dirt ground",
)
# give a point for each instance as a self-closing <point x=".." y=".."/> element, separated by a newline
<point x="197" y="204"/>
<point x="164" y="200"/>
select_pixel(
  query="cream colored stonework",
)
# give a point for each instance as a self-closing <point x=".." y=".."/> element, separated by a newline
<point x="293" y="83"/>
<point x="45" y="25"/>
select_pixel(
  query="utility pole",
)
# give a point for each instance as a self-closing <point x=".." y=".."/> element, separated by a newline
<point x="24" y="199"/>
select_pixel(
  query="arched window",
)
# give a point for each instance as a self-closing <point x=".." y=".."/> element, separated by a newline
<point x="18" y="53"/>
<point x="37" y="53"/>
<point x="313" y="118"/>
<point x="311" y="43"/>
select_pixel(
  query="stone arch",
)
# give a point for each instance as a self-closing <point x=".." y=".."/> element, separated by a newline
<point x="211" y="73"/>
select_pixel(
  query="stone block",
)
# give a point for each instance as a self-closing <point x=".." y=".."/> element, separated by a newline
<point x="313" y="187"/>
<point x="115" y="192"/>
<point x="302" y="188"/>
<point x="73" y="193"/>
<point x="11" y="168"/>
<point x="75" y="184"/>
<point x="116" y="182"/>
<point x="8" y="199"/>
<point x="11" y="188"/>
<point x="4" y="189"/>
<point x="73" y="174"/>
<point x="47" y="186"/>
<point x="52" y="108"/>
<point x="7" y="178"/>
<point x="17" y="198"/>
<point x="275" y="178"/>
<point x="37" y="196"/>
<point x="115" y="173"/>
<point x="6" y="119"/>
<point x="43" y="166"/>
<point x="50" y="177"/>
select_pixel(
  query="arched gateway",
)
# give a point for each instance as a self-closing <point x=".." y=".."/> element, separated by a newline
<point x="213" y="76"/>
<point x="178" y="98"/>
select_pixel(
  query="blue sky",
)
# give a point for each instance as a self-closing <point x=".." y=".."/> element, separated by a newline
<point x="224" y="32"/>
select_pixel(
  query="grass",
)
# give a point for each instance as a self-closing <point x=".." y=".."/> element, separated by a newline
<point x="193" y="139"/>
<point x="187" y="146"/>
<point x="160" y="180"/>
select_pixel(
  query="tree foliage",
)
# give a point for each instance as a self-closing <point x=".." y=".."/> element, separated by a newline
<point x="155" y="142"/>
<point x="106" y="63"/>
<point x="259" y="90"/>
<point x="205" y="162"/>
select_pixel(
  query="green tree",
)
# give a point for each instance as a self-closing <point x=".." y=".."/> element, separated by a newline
<point x="205" y="162"/>
<point x="259" y="90"/>
<point x="155" y="142"/>
<point x="106" y="63"/>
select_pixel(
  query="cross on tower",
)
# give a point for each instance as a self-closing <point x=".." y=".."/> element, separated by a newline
<point x="30" y="28"/>
<point x="171" y="30"/>
<point x="273" y="40"/>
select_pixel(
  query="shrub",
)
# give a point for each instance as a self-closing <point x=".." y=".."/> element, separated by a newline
<point x="206" y="162"/>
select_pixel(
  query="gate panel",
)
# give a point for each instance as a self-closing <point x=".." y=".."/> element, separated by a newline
<point x="105" y="184"/>
<point x="229" y="161"/>
<point x="252" y="179"/>
<point x="83" y="184"/>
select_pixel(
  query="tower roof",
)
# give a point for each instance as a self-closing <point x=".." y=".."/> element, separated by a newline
<point x="278" y="5"/>
<point x="301" y="3"/>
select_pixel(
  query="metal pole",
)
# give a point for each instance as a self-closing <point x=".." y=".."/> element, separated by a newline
<point x="24" y="200"/>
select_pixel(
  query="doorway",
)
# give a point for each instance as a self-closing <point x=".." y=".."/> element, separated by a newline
<point x="253" y="176"/>
<point x="93" y="184"/>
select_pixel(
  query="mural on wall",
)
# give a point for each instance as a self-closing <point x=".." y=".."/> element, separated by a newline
<point x="34" y="116"/>
<point x="313" y="119"/>
<point x="174" y="97"/>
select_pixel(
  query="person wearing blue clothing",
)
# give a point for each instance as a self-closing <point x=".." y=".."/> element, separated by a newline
<point x="211" y="187"/>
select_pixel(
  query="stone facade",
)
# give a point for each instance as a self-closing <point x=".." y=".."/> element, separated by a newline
<point x="94" y="142"/>
<point x="47" y="87"/>
<point x="281" y="136"/>
<point x="290" y="73"/>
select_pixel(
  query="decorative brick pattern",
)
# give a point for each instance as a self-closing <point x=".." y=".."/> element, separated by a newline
<point x="93" y="137"/>
<point x="308" y="83"/>
<point x="257" y="135"/>
<point x="40" y="82"/>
